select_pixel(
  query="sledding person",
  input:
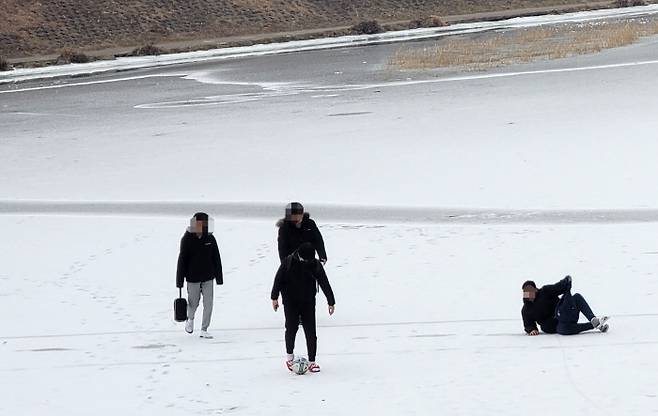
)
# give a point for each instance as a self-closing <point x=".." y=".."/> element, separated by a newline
<point x="296" y="228"/>
<point x="296" y="281"/>
<point x="199" y="263"/>
<point x="554" y="314"/>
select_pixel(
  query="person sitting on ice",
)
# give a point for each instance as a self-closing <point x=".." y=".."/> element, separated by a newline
<point x="556" y="314"/>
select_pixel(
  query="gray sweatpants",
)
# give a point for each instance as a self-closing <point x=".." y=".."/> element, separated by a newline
<point x="194" y="292"/>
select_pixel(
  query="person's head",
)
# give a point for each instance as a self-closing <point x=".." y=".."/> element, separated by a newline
<point x="294" y="212"/>
<point x="199" y="223"/>
<point x="529" y="290"/>
<point x="306" y="252"/>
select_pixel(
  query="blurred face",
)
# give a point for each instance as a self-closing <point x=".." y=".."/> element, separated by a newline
<point x="529" y="293"/>
<point x="199" y="226"/>
<point x="296" y="218"/>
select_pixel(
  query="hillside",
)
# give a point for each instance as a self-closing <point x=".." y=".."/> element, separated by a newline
<point x="29" y="27"/>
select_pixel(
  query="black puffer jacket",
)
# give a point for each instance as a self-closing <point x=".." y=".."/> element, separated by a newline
<point x="542" y="310"/>
<point x="198" y="260"/>
<point x="291" y="237"/>
<point x="295" y="280"/>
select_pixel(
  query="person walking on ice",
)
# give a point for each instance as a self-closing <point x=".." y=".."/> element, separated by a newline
<point x="296" y="281"/>
<point x="557" y="315"/>
<point x="199" y="263"/>
<point x="296" y="228"/>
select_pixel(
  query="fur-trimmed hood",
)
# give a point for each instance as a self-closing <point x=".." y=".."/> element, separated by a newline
<point x="282" y="221"/>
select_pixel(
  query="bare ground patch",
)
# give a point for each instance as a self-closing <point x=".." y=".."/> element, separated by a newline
<point x="522" y="45"/>
<point x="30" y="27"/>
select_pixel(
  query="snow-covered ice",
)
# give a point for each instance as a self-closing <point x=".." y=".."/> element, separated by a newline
<point x="428" y="318"/>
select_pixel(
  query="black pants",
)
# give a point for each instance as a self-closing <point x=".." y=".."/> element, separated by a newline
<point x="572" y="328"/>
<point x="306" y="311"/>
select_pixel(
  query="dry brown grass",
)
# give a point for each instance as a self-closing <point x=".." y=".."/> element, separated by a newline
<point x="427" y="21"/>
<point x="367" y="27"/>
<point x="629" y="3"/>
<point x="148" y="49"/>
<point x="522" y="46"/>
<point x="69" y="56"/>
<point x="4" y="64"/>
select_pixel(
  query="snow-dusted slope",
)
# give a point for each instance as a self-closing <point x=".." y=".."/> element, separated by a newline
<point x="122" y="64"/>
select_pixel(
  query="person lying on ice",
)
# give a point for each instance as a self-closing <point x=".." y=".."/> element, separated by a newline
<point x="554" y="314"/>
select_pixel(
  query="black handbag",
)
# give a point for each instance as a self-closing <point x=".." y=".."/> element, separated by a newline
<point x="180" y="307"/>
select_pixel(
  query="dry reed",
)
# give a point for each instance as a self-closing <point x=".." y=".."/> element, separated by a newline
<point x="522" y="46"/>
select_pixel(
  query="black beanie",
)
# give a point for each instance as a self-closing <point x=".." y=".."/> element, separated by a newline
<point x="306" y="251"/>
<point x="201" y="216"/>
<point x="529" y="283"/>
<point x="294" y="208"/>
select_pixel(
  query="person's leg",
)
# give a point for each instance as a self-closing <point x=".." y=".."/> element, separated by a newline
<point x="308" y="322"/>
<point x="193" y="296"/>
<point x="583" y="306"/>
<point x="292" y="324"/>
<point x="573" y="328"/>
<point x="207" y="289"/>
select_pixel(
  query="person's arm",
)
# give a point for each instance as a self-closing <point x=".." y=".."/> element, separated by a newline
<point x="217" y="262"/>
<point x="323" y="281"/>
<point x="529" y="324"/>
<point x="276" y="287"/>
<point x="283" y="244"/>
<point x="319" y="243"/>
<point x="278" y="282"/>
<point x="559" y="288"/>
<point x="182" y="263"/>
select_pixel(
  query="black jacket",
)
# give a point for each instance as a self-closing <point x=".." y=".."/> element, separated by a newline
<point x="291" y="237"/>
<point x="198" y="260"/>
<point x="542" y="310"/>
<point x="295" y="280"/>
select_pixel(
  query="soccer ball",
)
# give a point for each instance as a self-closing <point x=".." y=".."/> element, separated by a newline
<point x="300" y="365"/>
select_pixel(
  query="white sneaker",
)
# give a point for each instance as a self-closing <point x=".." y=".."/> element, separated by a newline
<point x="189" y="326"/>
<point x="205" y="334"/>
<point x="313" y="367"/>
<point x="598" y="323"/>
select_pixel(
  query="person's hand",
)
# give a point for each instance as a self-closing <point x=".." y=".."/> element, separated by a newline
<point x="534" y="332"/>
<point x="331" y="309"/>
<point x="275" y="304"/>
<point x="323" y="261"/>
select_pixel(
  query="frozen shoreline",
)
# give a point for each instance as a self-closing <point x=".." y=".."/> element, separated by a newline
<point x="130" y="63"/>
<point x="333" y="212"/>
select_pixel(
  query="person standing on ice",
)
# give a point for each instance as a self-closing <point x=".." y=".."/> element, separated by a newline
<point x="296" y="228"/>
<point x="199" y="263"/>
<point x="554" y="314"/>
<point x="296" y="282"/>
